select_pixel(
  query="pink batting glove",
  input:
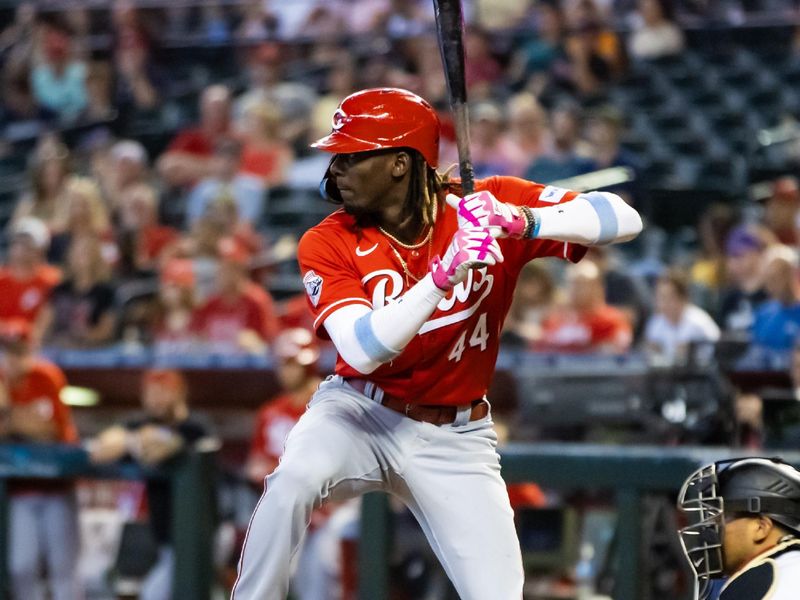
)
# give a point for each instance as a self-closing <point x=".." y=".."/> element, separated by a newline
<point x="482" y="209"/>
<point x="471" y="248"/>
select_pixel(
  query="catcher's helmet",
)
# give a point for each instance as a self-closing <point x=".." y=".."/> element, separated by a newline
<point x="748" y="486"/>
<point x="384" y="118"/>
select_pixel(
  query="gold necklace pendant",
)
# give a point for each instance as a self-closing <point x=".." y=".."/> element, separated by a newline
<point x="403" y="263"/>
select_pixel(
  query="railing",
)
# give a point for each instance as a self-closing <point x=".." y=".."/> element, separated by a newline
<point x="628" y="471"/>
<point x="192" y="478"/>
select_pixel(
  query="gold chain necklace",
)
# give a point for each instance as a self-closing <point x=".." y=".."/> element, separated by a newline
<point x="408" y="246"/>
<point x="427" y="239"/>
<point x="403" y="264"/>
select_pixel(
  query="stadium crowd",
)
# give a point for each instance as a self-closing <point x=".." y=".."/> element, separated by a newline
<point x="147" y="217"/>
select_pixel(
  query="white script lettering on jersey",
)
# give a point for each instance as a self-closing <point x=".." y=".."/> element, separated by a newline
<point x="474" y="289"/>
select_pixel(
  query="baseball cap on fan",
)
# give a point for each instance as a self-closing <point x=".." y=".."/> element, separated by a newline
<point x="742" y="240"/>
<point x="35" y="229"/>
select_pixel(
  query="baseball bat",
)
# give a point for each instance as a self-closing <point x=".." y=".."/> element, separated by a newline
<point x="450" y="33"/>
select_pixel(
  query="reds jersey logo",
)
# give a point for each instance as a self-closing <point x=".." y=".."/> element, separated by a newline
<point x="337" y="121"/>
<point x="466" y="296"/>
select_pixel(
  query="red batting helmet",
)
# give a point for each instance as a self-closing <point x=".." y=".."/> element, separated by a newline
<point x="384" y="118"/>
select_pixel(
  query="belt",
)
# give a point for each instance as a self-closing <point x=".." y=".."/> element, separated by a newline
<point x="426" y="413"/>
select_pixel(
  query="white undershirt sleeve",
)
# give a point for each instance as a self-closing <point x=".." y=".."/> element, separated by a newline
<point x="368" y="338"/>
<point x="591" y="219"/>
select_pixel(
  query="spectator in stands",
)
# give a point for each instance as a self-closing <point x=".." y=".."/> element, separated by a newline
<point x="99" y="97"/>
<point x="265" y="155"/>
<point x="623" y="290"/>
<point x="782" y="209"/>
<point x="83" y="213"/>
<point x="81" y="312"/>
<point x="257" y="23"/>
<point x="482" y="69"/>
<point x="215" y="28"/>
<point x="171" y="324"/>
<point x="591" y="24"/>
<point x="49" y="169"/>
<point x="141" y="238"/>
<point x="187" y="158"/>
<point x="745" y="291"/>
<point x="655" y="33"/>
<point x="227" y="179"/>
<point x="586" y="323"/>
<point x="534" y="298"/>
<point x="138" y="79"/>
<point x="562" y="160"/>
<point x="539" y="52"/>
<point x="26" y="280"/>
<point x="708" y="269"/>
<point x="340" y="82"/>
<point x="240" y="315"/>
<point x="42" y="515"/>
<point x="17" y="41"/>
<point x="266" y="82"/>
<point x="604" y="129"/>
<point x="124" y="165"/>
<point x="492" y="152"/>
<point x="220" y="220"/>
<point x="582" y="72"/>
<point x="59" y="79"/>
<point x="678" y="325"/>
<point x="777" y="321"/>
<point x="500" y="15"/>
<point x="528" y="134"/>
<point x="164" y="431"/>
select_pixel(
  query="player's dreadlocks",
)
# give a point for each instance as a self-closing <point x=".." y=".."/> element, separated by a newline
<point x="425" y="184"/>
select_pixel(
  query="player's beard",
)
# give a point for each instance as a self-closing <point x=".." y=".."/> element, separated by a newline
<point x="364" y="217"/>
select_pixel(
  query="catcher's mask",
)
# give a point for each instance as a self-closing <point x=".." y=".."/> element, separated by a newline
<point x="739" y="487"/>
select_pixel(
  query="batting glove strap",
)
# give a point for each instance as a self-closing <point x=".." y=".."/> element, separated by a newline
<point x="482" y="209"/>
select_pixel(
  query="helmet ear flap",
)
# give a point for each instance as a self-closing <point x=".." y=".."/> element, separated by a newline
<point x="327" y="187"/>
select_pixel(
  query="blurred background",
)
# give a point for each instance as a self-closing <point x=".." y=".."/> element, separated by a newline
<point x="155" y="177"/>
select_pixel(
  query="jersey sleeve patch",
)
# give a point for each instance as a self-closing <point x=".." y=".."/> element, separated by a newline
<point x="552" y="194"/>
<point x="753" y="584"/>
<point x="313" y="285"/>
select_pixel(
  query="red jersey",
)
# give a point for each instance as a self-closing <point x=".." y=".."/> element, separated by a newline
<point x="24" y="298"/>
<point x="193" y="141"/>
<point x="451" y="359"/>
<point x="273" y="423"/>
<point x="222" y="320"/>
<point x="570" y="331"/>
<point x="41" y="389"/>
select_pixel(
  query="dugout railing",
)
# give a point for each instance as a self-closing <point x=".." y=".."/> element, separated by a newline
<point x="629" y="471"/>
<point x="192" y="479"/>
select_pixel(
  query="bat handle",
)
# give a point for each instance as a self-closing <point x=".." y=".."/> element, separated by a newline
<point x="465" y="169"/>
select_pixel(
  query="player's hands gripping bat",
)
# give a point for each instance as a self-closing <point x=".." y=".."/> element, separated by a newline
<point x="482" y="209"/>
<point x="471" y="248"/>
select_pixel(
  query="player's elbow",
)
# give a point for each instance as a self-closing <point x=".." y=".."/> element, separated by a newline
<point x="630" y="221"/>
<point x="618" y="220"/>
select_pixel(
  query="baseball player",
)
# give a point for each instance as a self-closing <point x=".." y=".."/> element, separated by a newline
<point x="410" y="283"/>
<point x="744" y="523"/>
<point x="43" y="516"/>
